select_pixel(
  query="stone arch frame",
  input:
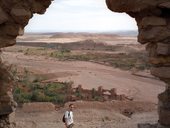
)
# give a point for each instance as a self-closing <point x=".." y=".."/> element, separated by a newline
<point x="153" y="20"/>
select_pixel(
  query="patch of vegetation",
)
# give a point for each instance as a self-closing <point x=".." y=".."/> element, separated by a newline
<point x="121" y="60"/>
<point x="27" y="90"/>
<point x="124" y="61"/>
<point x="36" y="51"/>
<point x="35" y="91"/>
<point x="39" y="92"/>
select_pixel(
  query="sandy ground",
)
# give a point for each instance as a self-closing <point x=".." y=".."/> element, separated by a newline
<point x="102" y="119"/>
<point x="91" y="115"/>
<point x="90" y="75"/>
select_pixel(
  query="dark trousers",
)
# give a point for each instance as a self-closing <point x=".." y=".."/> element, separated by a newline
<point x="70" y="126"/>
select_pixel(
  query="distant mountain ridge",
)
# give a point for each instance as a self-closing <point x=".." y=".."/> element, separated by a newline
<point x="116" y="33"/>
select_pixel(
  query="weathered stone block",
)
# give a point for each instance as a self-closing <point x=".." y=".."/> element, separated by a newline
<point x="7" y="104"/>
<point x="3" y="90"/>
<point x="164" y="100"/>
<point x="3" y="16"/>
<point x="130" y="5"/>
<point x="164" y="105"/>
<point x="164" y="117"/>
<point x="163" y="49"/>
<point x="21" y="15"/>
<point x="153" y="34"/>
<point x="5" y="99"/>
<point x="153" y="21"/>
<point x="163" y="60"/>
<point x="5" y="42"/>
<point x="161" y="72"/>
<point x="5" y="109"/>
<point x="40" y="6"/>
<point x="13" y="29"/>
<point x="151" y="48"/>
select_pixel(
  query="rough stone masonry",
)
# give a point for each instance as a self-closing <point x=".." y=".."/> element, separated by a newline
<point x="153" y="20"/>
<point x="14" y="16"/>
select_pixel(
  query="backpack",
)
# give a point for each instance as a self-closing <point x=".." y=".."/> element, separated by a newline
<point x="63" y="119"/>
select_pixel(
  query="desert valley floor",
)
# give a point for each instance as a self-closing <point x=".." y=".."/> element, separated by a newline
<point x="142" y="87"/>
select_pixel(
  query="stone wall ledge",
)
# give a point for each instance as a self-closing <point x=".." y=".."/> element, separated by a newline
<point x="154" y="34"/>
<point x="161" y="60"/>
<point x="161" y="72"/>
<point x="153" y="21"/>
<point x="163" y="49"/>
<point x="5" y="109"/>
<point x="164" y="117"/>
<point x="3" y="16"/>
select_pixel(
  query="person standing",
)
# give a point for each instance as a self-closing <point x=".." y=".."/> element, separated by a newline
<point x="69" y="122"/>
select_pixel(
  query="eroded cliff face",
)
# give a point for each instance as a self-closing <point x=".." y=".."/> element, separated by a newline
<point x="14" y="16"/>
<point x="153" y="20"/>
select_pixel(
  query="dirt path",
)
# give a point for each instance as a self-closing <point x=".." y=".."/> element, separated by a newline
<point x="90" y="75"/>
<point x="102" y="119"/>
<point x="86" y="115"/>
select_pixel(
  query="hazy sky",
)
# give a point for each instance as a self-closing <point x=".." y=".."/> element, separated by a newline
<point x="80" y="16"/>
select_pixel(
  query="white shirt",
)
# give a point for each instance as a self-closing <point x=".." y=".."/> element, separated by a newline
<point x="69" y="117"/>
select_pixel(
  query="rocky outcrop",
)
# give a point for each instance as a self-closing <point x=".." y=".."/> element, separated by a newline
<point x="14" y="16"/>
<point x="7" y="104"/>
<point x="153" y="20"/>
<point x="7" y="121"/>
